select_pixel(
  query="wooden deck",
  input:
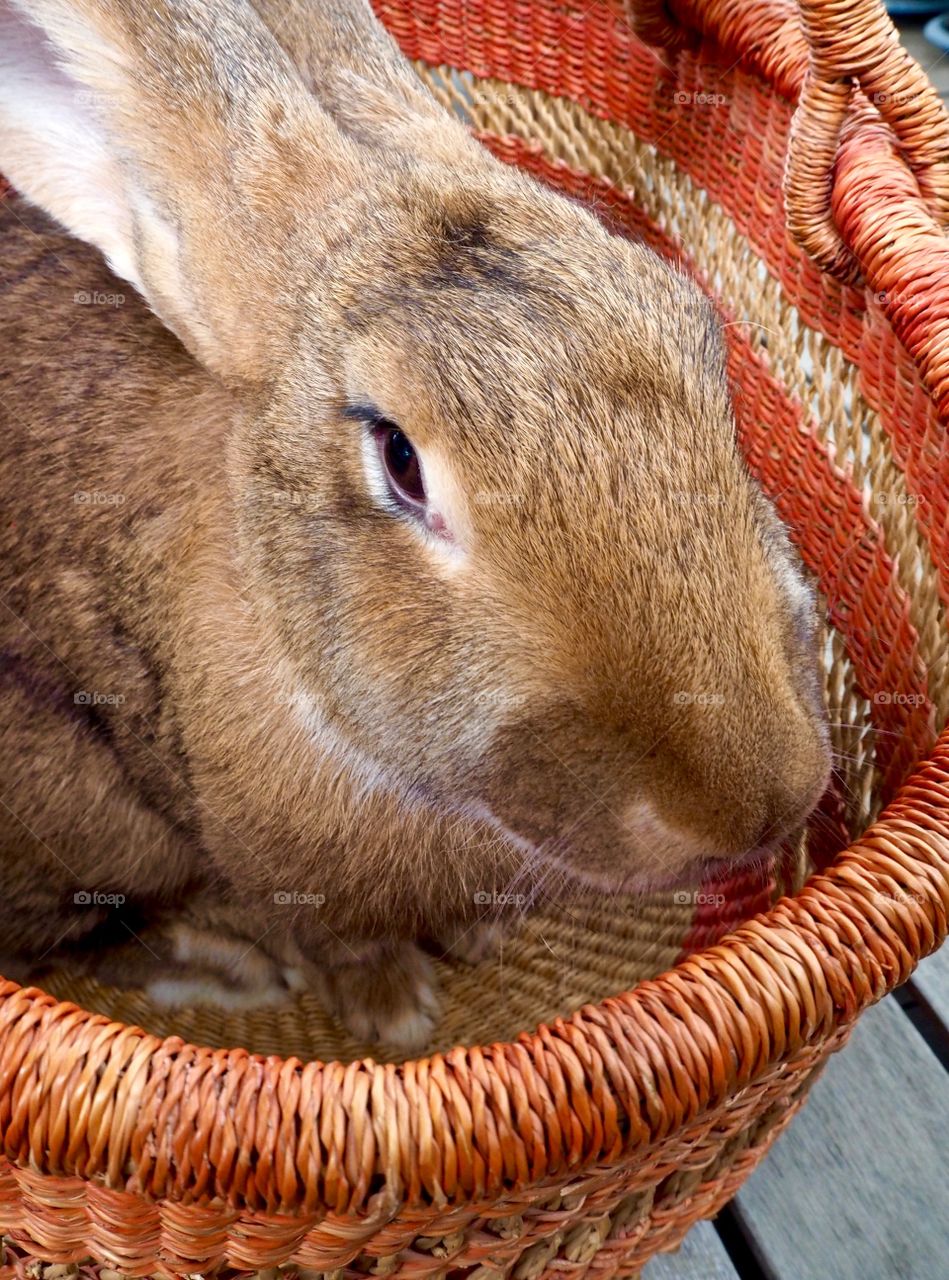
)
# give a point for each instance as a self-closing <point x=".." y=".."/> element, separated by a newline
<point x="857" y="1188"/>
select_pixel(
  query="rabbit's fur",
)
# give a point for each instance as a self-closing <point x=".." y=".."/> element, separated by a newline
<point x="316" y="729"/>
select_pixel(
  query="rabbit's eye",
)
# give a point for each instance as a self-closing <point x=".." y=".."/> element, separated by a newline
<point x="402" y="467"/>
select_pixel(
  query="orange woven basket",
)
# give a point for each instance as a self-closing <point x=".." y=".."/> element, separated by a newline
<point x="797" y="162"/>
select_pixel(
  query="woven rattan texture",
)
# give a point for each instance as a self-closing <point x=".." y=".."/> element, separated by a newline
<point x="556" y="961"/>
<point x="584" y="1148"/>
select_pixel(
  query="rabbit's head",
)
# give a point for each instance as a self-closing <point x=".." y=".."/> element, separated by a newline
<point x="518" y="563"/>
<point x="487" y="496"/>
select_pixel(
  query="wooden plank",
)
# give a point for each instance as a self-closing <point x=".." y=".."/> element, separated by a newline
<point x="701" y="1256"/>
<point x="931" y="982"/>
<point x="857" y="1187"/>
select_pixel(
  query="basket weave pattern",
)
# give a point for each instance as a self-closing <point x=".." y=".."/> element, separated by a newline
<point x="588" y="1145"/>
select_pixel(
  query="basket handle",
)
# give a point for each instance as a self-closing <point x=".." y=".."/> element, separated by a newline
<point x="839" y="47"/>
<point x="854" y="44"/>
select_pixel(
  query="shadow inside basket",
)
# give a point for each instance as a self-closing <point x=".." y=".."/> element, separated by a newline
<point x="550" y="963"/>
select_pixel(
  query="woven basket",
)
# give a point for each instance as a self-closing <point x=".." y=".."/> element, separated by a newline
<point x="597" y="1140"/>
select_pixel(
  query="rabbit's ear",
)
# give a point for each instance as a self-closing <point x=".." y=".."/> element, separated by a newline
<point x="336" y="44"/>
<point x="356" y="71"/>
<point x="177" y="137"/>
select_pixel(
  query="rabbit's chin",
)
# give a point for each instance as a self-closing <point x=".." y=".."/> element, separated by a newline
<point x="690" y="866"/>
<point x="643" y="882"/>
<point x="719" y="870"/>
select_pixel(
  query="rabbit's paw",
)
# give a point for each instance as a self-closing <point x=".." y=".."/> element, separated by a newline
<point x="214" y="968"/>
<point x="475" y="943"/>
<point x="389" y="998"/>
<point x="179" y="964"/>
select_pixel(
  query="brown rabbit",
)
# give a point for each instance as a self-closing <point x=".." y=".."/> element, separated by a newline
<point x="376" y="536"/>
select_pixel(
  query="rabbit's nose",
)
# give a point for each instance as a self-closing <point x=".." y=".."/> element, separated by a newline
<point x="662" y="840"/>
<point x="788" y="810"/>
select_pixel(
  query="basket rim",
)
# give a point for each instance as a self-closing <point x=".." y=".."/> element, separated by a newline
<point x="634" y="1068"/>
<point x="83" y="1096"/>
